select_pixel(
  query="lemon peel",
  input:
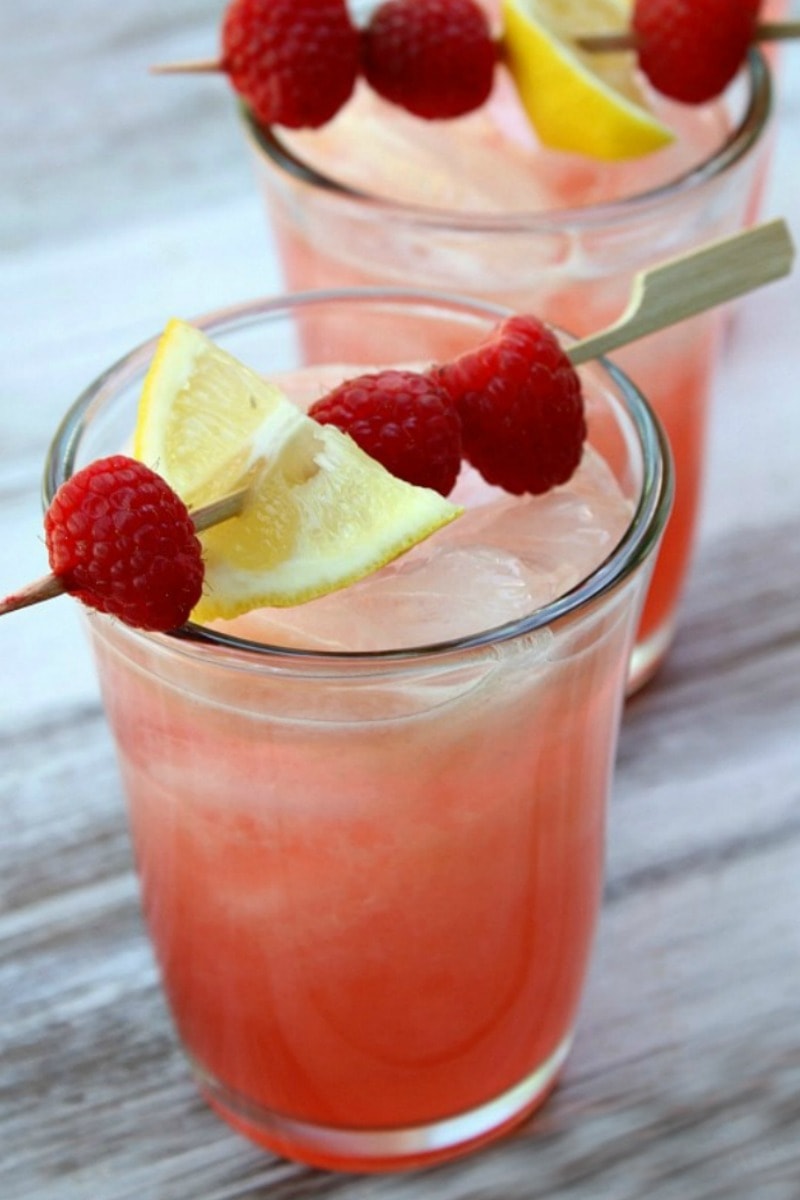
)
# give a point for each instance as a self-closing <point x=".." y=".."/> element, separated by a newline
<point x="320" y="513"/>
<point x="588" y="104"/>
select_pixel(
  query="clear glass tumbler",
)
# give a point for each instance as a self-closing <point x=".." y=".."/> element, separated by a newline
<point x="372" y="879"/>
<point x="390" y="200"/>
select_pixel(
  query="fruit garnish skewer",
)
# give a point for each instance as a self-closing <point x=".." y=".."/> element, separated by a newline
<point x="296" y="65"/>
<point x="52" y="585"/>
<point x="518" y="395"/>
<point x="606" y="43"/>
<point x="661" y="296"/>
<point x="691" y="283"/>
<point x="690" y="51"/>
<point x="437" y="59"/>
<point x="594" y="43"/>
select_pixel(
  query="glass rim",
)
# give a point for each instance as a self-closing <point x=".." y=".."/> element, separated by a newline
<point x="640" y="538"/>
<point x="740" y="139"/>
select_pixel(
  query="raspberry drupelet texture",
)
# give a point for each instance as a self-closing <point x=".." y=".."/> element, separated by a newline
<point x="294" y="62"/>
<point x="690" y="50"/>
<point x="521" y="407"/>
<point x="402" y="419"/>
<point x="122" y="541"/>
<point x="435" y="58"/>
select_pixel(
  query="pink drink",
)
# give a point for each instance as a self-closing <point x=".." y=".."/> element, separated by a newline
<point x="476" y="206"/>
<point x="372" y="878"/>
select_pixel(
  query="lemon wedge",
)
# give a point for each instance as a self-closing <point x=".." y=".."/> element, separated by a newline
<point x="589" y="104"/>
<point x="319" y="514"/>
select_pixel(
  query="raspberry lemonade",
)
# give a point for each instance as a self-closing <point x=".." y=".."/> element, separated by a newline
<point x="480" y="206"/>
<point x="369" y="828"/>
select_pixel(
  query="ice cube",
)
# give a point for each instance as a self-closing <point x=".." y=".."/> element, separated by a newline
<point x="504" y="558"/>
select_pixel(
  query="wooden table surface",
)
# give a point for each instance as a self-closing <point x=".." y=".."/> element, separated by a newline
<point x="126" y="200"/>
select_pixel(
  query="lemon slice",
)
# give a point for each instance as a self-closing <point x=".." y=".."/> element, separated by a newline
<point x="590" y="104"/>
<point x="320" y="513"/>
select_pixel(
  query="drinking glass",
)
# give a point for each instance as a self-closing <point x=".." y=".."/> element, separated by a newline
<point x="371" y="879"/>
<point x="380" y="197"/>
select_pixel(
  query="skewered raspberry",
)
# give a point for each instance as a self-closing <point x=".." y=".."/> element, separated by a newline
<point x="402" y="419"/>
<point x="435" y="58"/>
<point x="122" y="541"/>
<point x="521" y="407"/>
<point x="690" y="50"/>
<point x="294" y="62"/>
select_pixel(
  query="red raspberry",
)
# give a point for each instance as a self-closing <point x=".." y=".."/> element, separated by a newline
<point x="123" y="542"/>
<point x="521" y="407"/>
<point x="434" y="57"/>
<point x="294" y="62"/>
<point x="690" y="50"/>
<point x="402" y="419"/>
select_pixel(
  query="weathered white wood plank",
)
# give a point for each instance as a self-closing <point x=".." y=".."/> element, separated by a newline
<point x="666" y="1082"/>
<point x="81" y="113"/>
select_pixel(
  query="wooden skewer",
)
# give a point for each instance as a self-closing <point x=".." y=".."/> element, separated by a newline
<point x="694" y="282"/>
<point x="196" y="66"/>
<point x="662" y="296"/>
<point x="605" y="43"/>
<point x="50" y="586"/>
<point x="46" y="588"/>
<point x="594" y="43"/>
<point x="219" y="510"/>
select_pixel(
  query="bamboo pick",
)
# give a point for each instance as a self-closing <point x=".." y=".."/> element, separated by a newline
<point x="219" y="510"/>
<point x="692" y="283"/>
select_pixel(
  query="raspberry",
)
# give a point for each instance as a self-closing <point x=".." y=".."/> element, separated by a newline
<point x="123" y="542"/>
<point x="294" y="62"/>
<point x="435" y="58"/>
<point x="521" y="407"/>
<point x="690" y="50"/>
<point x="402" y="419"/>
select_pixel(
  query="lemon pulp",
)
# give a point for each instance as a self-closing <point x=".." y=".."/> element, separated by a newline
<point x="586" y="103"/>
<point x="319" y="513"/>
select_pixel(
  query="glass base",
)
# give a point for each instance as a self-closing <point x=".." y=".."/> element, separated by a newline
<point x="647" y="657"/>
<point x="365" y="1150"/>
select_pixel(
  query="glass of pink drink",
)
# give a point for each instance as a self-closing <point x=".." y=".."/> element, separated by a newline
<point x="478" y="207"/>
<point x="369" y="830"/>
